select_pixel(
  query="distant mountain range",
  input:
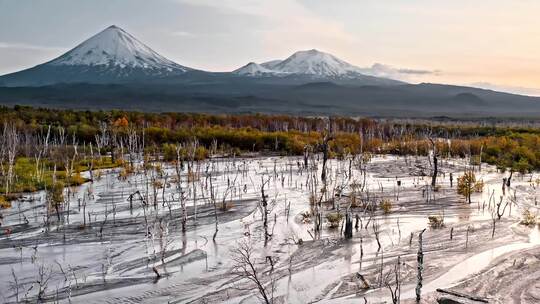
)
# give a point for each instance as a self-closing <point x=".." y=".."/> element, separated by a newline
<point x="115" y="56"/>
<point x="113" y="69"/>
<point x="315" y="64"/>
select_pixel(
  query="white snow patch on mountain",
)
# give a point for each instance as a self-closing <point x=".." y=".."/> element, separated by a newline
<point x="314" y="62"/>
<point x="271" y="64"/>
<point x="253" y="69"/>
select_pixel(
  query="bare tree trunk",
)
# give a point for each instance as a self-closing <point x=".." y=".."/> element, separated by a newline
<point x="265" y="212"/>
<point x="420" y="260"/>
<point x="509" y="178"/>
<point x="325" y="157"/>
<point x="348" y="225"/>
<point x="435" y="163"/>
<point x="213" y="199"/>
<point x="11" y="136"/>
<point x="179" y="187"/>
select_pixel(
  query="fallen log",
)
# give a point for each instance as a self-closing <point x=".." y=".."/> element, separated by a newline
<point x="462" y="295"/>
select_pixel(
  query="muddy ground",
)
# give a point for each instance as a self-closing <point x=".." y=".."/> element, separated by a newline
<point x="103" y="249"/>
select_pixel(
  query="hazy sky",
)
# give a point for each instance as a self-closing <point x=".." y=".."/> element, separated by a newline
<point x="491" y="43"/>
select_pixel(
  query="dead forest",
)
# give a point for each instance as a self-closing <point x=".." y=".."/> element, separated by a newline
<point x="126" y="207"/>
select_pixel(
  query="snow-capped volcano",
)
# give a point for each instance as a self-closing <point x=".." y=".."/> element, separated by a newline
<point x="311" y="62"/>
<point x="110" y="56"/>
<point x="314" y="62"/>
<point x="314" y="65"/>
<point x="115" y="47"/>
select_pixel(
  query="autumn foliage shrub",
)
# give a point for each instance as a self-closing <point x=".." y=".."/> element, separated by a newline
<point x="467" y="185"/>
<point x="386" y="206"/>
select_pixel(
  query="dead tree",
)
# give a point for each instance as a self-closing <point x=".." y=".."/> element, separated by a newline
<point x="462" y="295"/>
<point x="395" y="291"/>
<point x="181" y="192"/>
<point x="40" y="151"/>
<point x="325" y="150"/>
<point x="228" y="191"/>
<point x="435" y="163"/>
<point x="509" y="178"/>
<point x="44" y="275"/>
<point x="15" y="285"/>
<point x="467" y="237"/>
<point x="11" y="138"/>
<point x="420" y="267"/>
<point x="493" y="222"/>
<point x="102" y="139"/>
<point x="69" y="162"/>
<point x="223" y="202"/>
<point x="500" y="212"/>
<point x="193" y="175"/>
<point x="156" y="272"/>
<point x="348" y="225"/>
<point x="307" y="150"/>
<point x="376" y="231"/>
<point x="164" y="241"/>
<point x="245" y="267"/>
<point x="264" y="199"/>
<point x="213" y="199"/>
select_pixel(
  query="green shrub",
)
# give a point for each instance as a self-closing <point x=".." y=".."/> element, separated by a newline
<point x="334" y="219"/>
<point x="386" y="206"/>
<point x="4" y="203"/>
<point x="435" y="221"/>
<point x="528" y="218"/>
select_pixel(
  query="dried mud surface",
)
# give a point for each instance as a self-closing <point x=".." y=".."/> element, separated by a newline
<point x="108" y="254"/>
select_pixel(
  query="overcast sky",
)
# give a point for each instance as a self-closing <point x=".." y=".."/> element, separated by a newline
<point x="491" y="43"/>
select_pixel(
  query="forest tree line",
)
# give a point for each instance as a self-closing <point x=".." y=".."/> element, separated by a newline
<point x="38" y="145"/>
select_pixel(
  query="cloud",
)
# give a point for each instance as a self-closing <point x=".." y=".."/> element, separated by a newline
<point x="416" y="72"/>
<point x="16" y="56"/>
<point x="23" y="46"/>
<point x="283" y="26"/>
<point x="388" y="71"/>
<point x="506" y="88"/>
<point x="182" y="34"/>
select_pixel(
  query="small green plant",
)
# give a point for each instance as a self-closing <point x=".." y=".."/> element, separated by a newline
<point x="386" y="206"/>
<point x="467" y="184"/>
<point x="334" y="219"/>
<point x="77" y="179"/>
<point x="528" y="218"/>
<point x="157" y="184"/>
<point x="354" y="201"/>
<point x="4" y="203"/>
<point x="305" y="217"/>
<point x="475" y="160"/>
<point x="55" y="194"/>
<point x="435" y="221"/>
